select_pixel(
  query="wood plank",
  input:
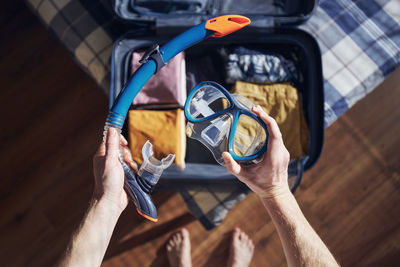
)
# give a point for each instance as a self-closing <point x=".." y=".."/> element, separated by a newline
<point x="55" y="114"/>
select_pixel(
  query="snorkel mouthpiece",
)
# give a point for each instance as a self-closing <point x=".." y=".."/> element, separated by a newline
<point x="224" y="25"/>
<point x="139" y="187"/>
<point x="152" y="168"/>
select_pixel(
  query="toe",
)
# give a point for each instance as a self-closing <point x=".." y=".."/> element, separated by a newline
<point x="250" y="243"/>
<point x="185" y="233"/>
<point x="242" y="236"/>
<point x="180" y="236"/>
<point x="236" y="233"/>
<point x="245" y="237"/>
<point x="251" y="248"/>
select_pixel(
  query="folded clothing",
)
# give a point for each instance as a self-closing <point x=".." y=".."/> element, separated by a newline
<point x="243" y="64"/>
<point x="168" y="86"/>
<point x="165" y="129"/>
<point x="282" y="102"/>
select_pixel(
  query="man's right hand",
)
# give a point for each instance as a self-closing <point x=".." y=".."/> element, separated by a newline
<point x="268" y="178"/>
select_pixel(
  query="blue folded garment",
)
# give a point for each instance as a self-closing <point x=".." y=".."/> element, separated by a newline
<point x="243" y="64"/>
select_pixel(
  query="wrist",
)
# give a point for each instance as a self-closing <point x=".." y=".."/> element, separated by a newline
<point x="106" y="207"/>
<point x="275" y="193"/>
<point x="111" y="200"/>
<point x="280" y="198"/>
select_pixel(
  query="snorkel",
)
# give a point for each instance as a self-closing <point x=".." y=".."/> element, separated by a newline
<point x="139" y="186"/>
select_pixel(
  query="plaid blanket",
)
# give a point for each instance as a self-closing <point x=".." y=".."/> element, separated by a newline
<point x="359" y="41"/>
<point x="360" y="46"/>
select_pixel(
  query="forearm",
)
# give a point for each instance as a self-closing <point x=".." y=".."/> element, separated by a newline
<point x="90" y="241"/>
<point x="301" y="245"/>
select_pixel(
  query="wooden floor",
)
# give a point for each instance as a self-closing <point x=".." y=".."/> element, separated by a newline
<point x="53" y="115"/>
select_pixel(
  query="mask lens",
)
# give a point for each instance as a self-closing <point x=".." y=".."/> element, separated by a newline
<point x="249" y="137"/>
<point x="217" y="131"/>
<point x="213" y="134"/>
<point x="207" y="101"/>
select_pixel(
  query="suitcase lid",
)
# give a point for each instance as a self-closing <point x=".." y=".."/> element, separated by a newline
<point x="186" y="13"/>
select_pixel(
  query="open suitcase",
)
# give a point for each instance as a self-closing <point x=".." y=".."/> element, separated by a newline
<point x="272" y="27"/>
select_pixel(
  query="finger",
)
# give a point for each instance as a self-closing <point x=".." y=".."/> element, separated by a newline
<point x="231" y="165"/>
<point x="126" y="154"/>
<point x="127" y="157"/>
<point x="124" y="142"/>
<point x="112" y="143"/>
<point x="273" y="128"/>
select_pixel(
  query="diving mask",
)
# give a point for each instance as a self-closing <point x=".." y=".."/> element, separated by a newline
<point x="224" y="122"/>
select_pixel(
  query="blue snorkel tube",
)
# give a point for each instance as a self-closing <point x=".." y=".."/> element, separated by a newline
<point x="138" y="187"/>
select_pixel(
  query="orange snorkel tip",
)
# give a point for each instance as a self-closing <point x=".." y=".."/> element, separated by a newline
<point x="224" y="25"/>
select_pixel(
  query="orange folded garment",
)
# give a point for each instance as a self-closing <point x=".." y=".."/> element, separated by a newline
<point x="281" y="101"/>
<point x="165" y="129"/>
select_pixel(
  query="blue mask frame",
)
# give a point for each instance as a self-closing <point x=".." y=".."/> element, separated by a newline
<point x="232" y="109"/>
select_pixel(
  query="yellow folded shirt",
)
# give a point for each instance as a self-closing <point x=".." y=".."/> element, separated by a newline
<point x="165" y="129"/>
<point x="282" y="102"/>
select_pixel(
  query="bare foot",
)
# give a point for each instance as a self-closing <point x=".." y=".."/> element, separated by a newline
<point x="178" y="249"/>
<point x="241" y="250"/>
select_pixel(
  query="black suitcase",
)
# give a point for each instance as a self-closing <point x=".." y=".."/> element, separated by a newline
<point x="272" y="27"/>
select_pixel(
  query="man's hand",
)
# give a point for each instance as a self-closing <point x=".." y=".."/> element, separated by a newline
<point x="108" y="172"/>
<point x="269" y="178"/>
<point x="91" y="239"/>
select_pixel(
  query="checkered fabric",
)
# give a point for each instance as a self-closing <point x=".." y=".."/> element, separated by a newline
<point x="359" y="41"/>
<point x="87" y="28"/>
<point x="210" y="205"/>
<point x="360" y="46"/>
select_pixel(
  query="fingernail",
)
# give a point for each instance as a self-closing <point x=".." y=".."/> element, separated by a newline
<point x="132" y="164"/>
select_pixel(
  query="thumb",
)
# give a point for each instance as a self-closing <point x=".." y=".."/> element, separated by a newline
<point x="112" y="143"/>
<point x="231" y="165"/>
